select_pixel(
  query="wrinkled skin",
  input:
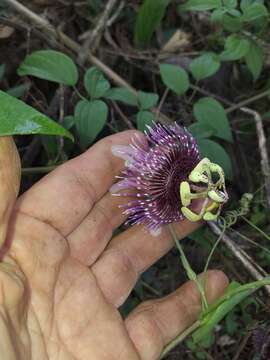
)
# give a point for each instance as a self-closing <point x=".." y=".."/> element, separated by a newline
<point x="63" y="276"/>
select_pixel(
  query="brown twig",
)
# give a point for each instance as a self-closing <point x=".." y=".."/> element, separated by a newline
<point x="33" y="17"/>
<point x="115" y="15"/>
<point x="67" y="41"/>
<point x="95" y="35"/>
<point x="256" y="272"/>
<point x="242" y="346"/>
<point x="164" y="96"/>
<point x="123" y="116"/>
<point x="262" y="147"/>
<point x="248" y="101"/>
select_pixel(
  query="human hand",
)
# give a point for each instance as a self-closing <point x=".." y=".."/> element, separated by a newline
<point x="63" y="276"/>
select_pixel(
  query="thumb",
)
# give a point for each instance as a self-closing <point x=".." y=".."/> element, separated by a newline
<point x="10" y="176"/>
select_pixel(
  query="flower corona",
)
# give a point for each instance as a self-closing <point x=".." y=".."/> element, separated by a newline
<point x="153" y="173"/>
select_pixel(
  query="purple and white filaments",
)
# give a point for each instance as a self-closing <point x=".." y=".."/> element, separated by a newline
<point x="153" y="173"/>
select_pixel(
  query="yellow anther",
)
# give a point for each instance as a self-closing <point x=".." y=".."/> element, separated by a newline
<point x="190" y="215"/>
<point x="214" y="192"/>
<point x="185" y="193"/>
<point x="215" y="196"/>
<point x="208" y="216"/>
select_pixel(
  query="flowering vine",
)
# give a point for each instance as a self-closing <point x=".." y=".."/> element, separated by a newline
<point x="164" y="175"/>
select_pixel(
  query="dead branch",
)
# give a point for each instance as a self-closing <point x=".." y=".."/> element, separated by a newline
<point x="262" y="148"/>
<point x="95" y="35"/>
<point x="256" y="272"/>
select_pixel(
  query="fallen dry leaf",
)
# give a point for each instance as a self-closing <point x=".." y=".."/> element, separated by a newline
<point x="6" y="31"/>
<point x="178" y="41"/>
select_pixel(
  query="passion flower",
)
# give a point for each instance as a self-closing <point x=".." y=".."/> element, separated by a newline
<point x="153" y="174"/>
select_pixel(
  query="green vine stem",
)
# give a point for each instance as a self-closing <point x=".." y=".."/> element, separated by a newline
<point x="78" y="93"/>
<point x="189" y="271"/>
<point x="214" y="247"/>
<point x="180" y="338"/>
<point x="230" y="219"/>
<point x="256" y="228"/>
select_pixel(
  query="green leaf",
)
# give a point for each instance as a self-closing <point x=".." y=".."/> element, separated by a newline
<point x="231" y="323"/>
<point x="90" y="119"/>
<point x="216" y="154"/>
<point x="208" y="341"/>
<point x="147" y="100"/>
<point x="218" y="315"/>
<point x="254" y="12"/>
<point x="236" y="47"/>
<point x="212" y="115"/>
<point x="233" y="296"/>
<point x="122" y="94"/>
<point x="18" y="91"/>
<point x="217" y="15"/>
<point x="68" y="122"/>
<point x="199" y="5"/>
<point x="200" y="131"/>
<point x="246" y="3"/>
<point x="204" y="66"/>
<point x="17" y="118"/>
<point x="254" y="60"/>
<point x="234" y="12"/>
<point x="2" y="71"/>
<point x="144" y="118"/>
<point x="50" y="65"/>
<point x="232" y="24"/>
<point x="175" y="78"/>
<point x="95" y="83"/>
<point x="230" y="4"/>
<point x="149" y="17"/>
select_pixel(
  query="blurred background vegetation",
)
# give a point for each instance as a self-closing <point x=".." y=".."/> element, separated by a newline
<point x="98" y="67"/>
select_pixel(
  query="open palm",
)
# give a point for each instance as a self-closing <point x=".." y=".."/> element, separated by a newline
<point x="63" y="276"/>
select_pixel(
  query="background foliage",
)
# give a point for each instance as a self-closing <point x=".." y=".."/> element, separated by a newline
<point x="197" y="62"/>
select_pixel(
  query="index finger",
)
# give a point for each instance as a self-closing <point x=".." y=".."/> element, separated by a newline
<point x="154" y="323"/>
<point x="65" y="197"/>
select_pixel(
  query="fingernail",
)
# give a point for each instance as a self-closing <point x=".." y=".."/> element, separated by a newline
<point x="122" y="151"/>
<point x="156" y="232"/>
<point x="118" y="186"/>
<point x="140" y="139"/>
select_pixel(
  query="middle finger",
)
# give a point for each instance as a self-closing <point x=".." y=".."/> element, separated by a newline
<point x="129" y="254"/>
<point x="91" y="237"/>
